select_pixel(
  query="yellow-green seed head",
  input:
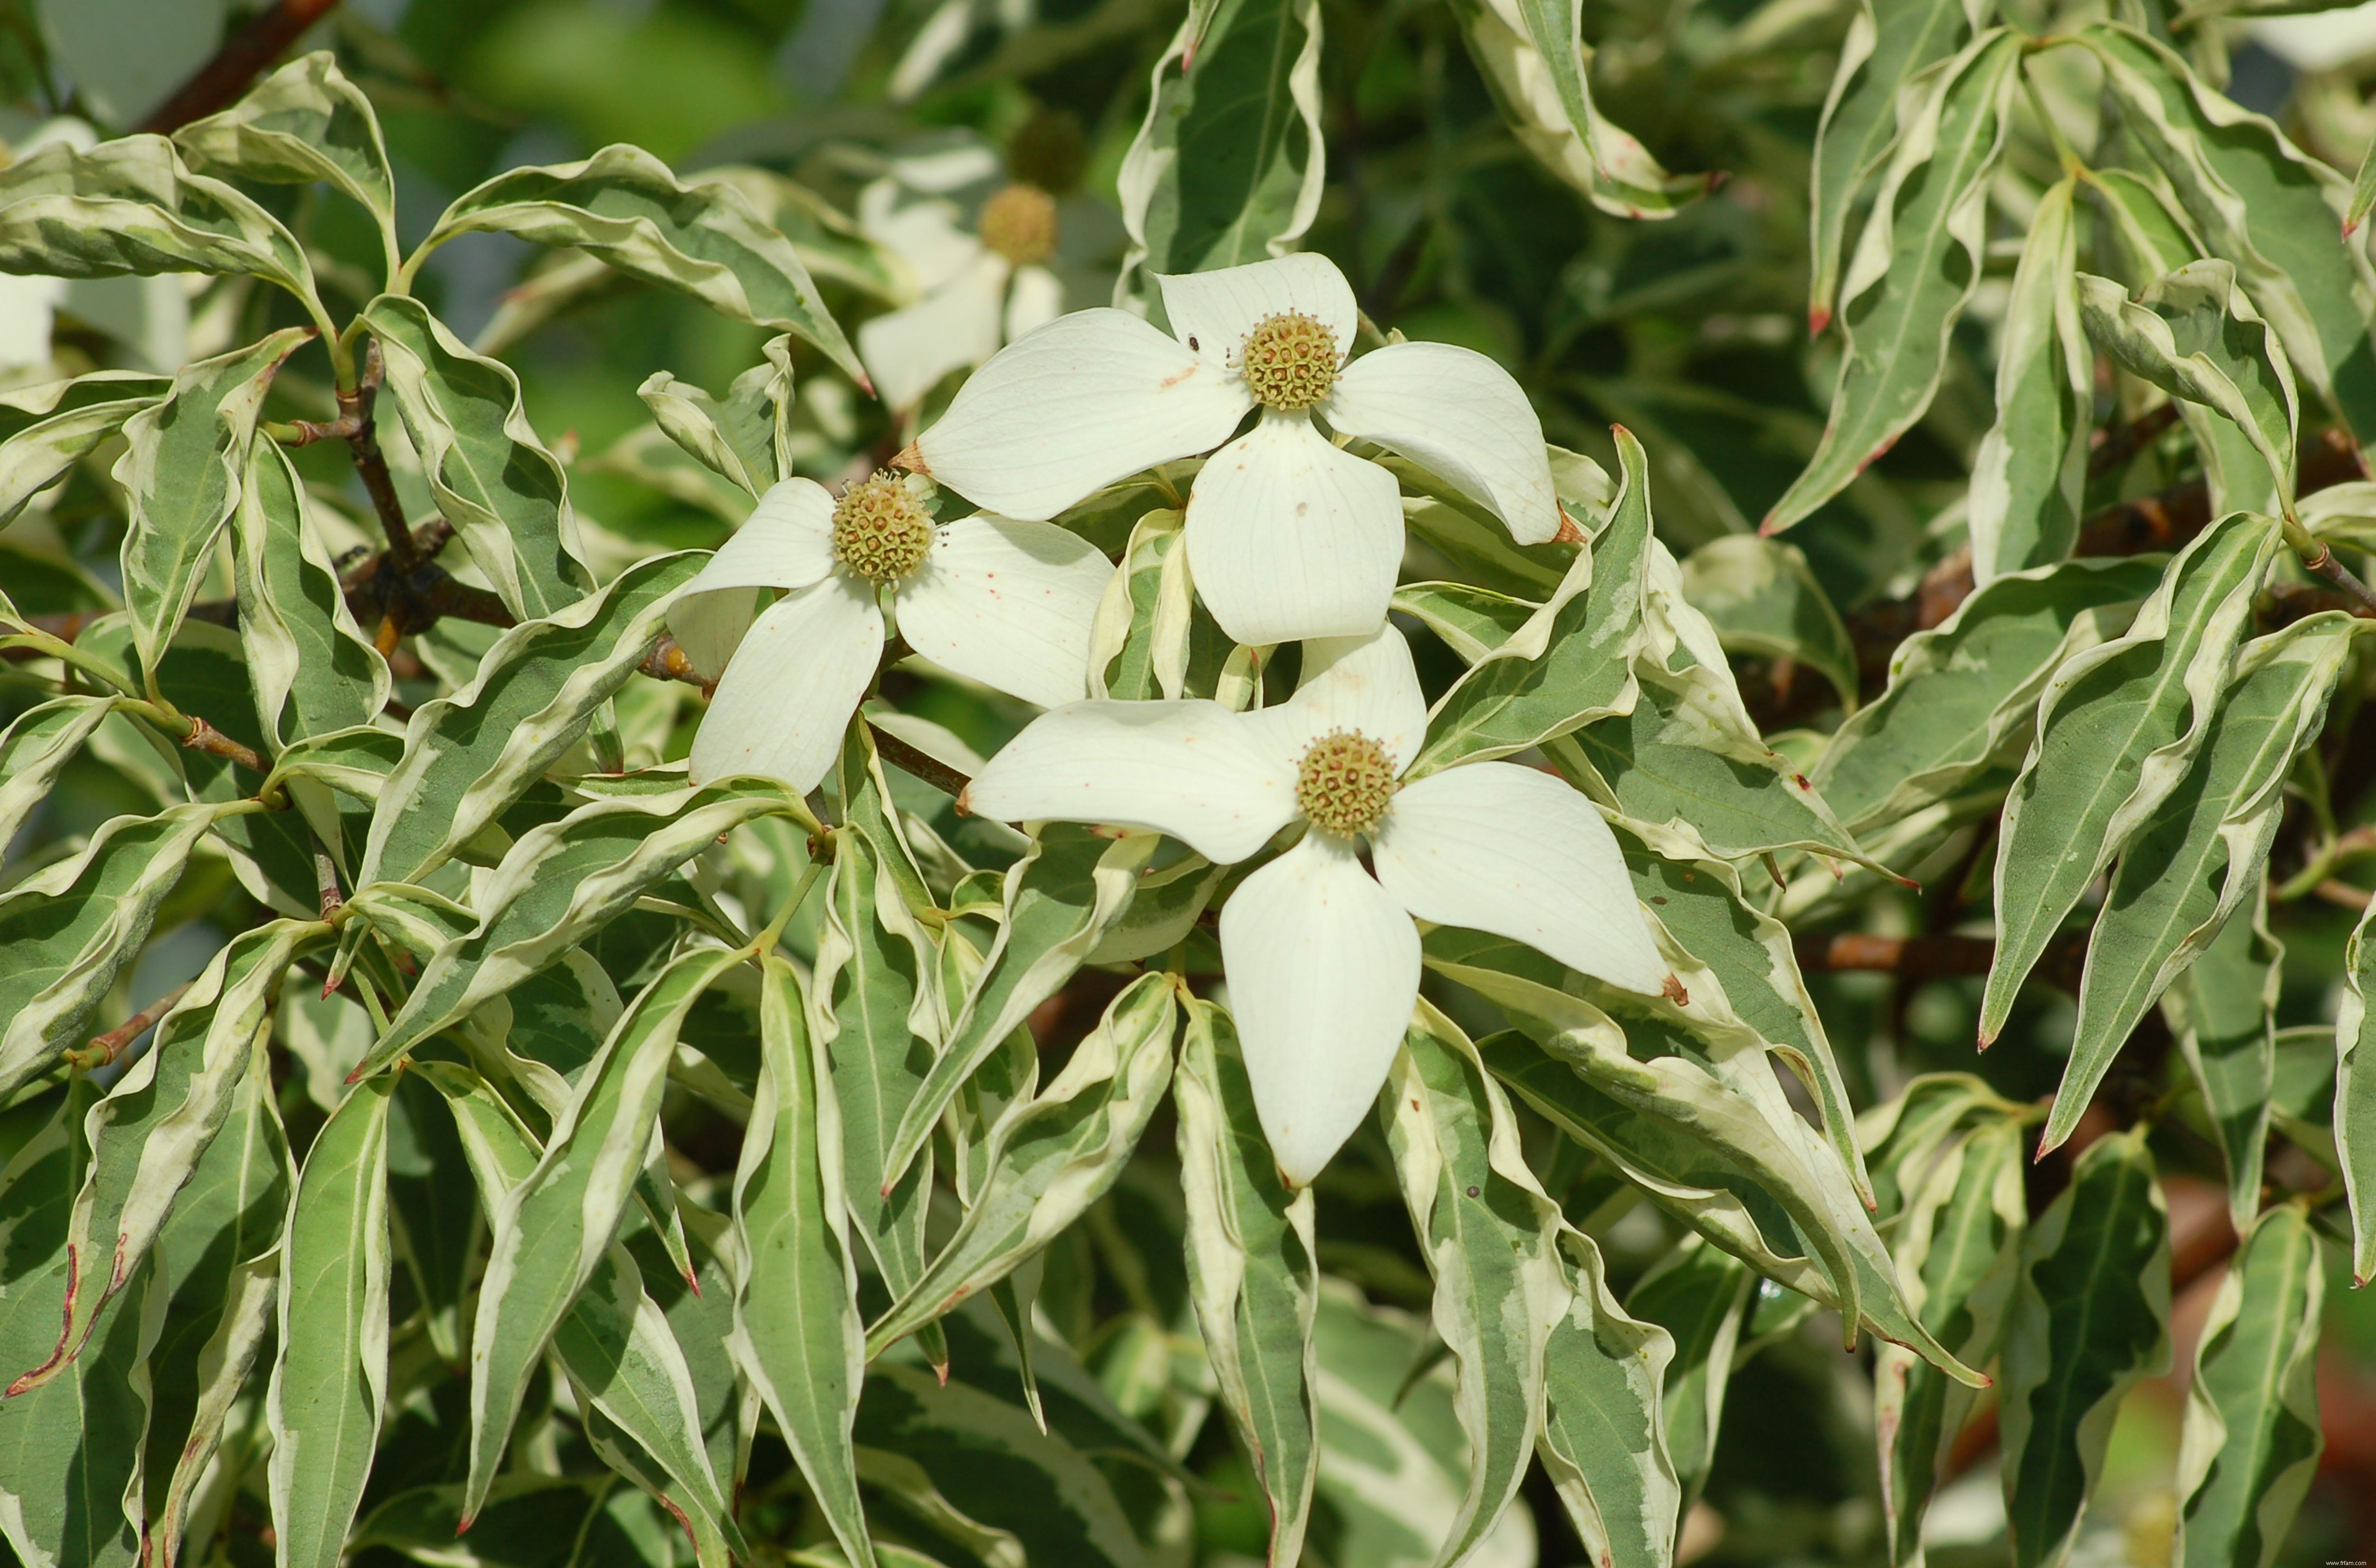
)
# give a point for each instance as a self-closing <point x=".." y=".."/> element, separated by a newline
<point x="882" y="527"/>
<point x="1019" y="223"/>
<point x="1290" y="362"/>
<point x="1345" y="783"/>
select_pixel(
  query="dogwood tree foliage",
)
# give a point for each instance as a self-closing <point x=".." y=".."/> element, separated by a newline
<point x="1289" y="838"/>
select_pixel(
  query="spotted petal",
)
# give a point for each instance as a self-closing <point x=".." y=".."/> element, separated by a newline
<point x="1500" y="848"/>
<point x="1089" y="398"/>
<point x="1362" y="685"/>
<point x="792" y="686"/>
<point x="1458" y="413"/>
<point x="786" y="543"/>
<point x="907" y="350"/>
<point x="1324" y="967"/>
<point x="1291" y="538"/>
<point x="1212" y="312"/>
<point x="1192" y="770"/>
<point x="1008" y="604"/>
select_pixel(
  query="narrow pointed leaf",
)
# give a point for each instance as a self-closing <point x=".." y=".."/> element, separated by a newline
<point x="183" y="470"/>
<point x="557" y="1227"/>
<point x="44" y="429"/>
<point x="1061" y="899"/>
<point x="2261" y="203"/>
<point x="1889" y="44"/>
<point x="701" y="238"/>
<point x="2090" y="1320"/>
<point x="2204" y="852"/>
<point x="1228" y="166"/>
<point x="1913" y="270"/>
<point x="1573" y="660"/>
<point x="1252" y="1273"/>
<point x="2031" y="469"/>
<point x="1955" y="1252"/>
<point x="150" y="1134"/>
<point x="468" y="756"/>
<point x="70" y="928"/>
<point x="130" y="205"/>
<point x="305" y="122"/>
<point x="329" y="1383"/>
<point x="2252" y="1438"/>
<point x="1699" y="1295"/>
<point x="1604" y="1438"/>
<point x="560" y="884"/>
<point x="504" y="493"/>
<point x="797" y="1336"/>
<point x="1965" y="694"/>
<point x="1533" y="56"/>
<point x="2118" y="725"/>
<point x="1050" y="1156"/>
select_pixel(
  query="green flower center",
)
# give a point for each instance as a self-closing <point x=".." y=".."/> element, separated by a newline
<point x="881" y="529"/>
<point x="1019" y="223"/>
<point x="1290" y="362"/>
<point x="1345" y="783"/>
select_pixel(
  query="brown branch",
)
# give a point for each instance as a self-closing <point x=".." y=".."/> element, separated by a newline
<point x="205" y="737"/>
<point x="246" y="55"/>
<point x="104" y="1049"/>
<point x="355" y="424"/>
<point x="2113" y="449"/>
<point x="929" y="769"/>
<point x="1934" y="956"/>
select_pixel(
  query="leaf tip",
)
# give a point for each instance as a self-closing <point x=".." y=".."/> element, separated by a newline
<point x="1818" y="317"/>
<point x="693" y="1282"/>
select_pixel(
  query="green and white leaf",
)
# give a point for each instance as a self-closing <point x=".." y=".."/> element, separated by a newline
<point x="1913" y="270"/>
<point x="1050" y="1156"/>
<point x="2030" y="473"/>
<point x="2252" y="1440"/>
<point x="798" y="1337"/>
<point x="329" y="1381"/>
<point x="2090" y="1320"/>
<point x="1252" y="1272"/>
<point x="702" y="238"/>
<point x="2118" y="728"/>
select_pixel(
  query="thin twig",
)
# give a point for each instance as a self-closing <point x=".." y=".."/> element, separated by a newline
<point x="243" y="56"/>
<point x="104" y="1049"/>
<point x="929" y="769"/>
<point x="355" y="423"/>
<point x="205" y="737"/>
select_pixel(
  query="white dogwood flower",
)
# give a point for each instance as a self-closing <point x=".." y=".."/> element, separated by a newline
<point x="1003" y="603"/>
<point x="1289" y="536"/>
<point x="1027" y="252"/>
<point x="1322" y="958"/>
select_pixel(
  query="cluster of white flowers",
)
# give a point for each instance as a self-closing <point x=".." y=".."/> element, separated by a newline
<point x="1289" y="538"/>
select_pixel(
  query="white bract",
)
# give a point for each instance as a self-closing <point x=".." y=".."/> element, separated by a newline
<point x="1003" y="603"/>
<point x="1029" y="252"/>
<point x="1322" y="958"/>
<point x="1289" y="536"/>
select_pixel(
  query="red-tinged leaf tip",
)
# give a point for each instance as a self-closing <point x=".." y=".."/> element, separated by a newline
<point x="1620" y="430"/>
<point x="355" y="1078"/>
<point x="1818" y="318"/>
<point x="467" y="1520"/>
<point x="866" y="384"/>
<point x="2350" y="227"/>
<point x="692" y="1283"/>
<point x="329" y="989"/>
<point x="1770" y="526"/>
